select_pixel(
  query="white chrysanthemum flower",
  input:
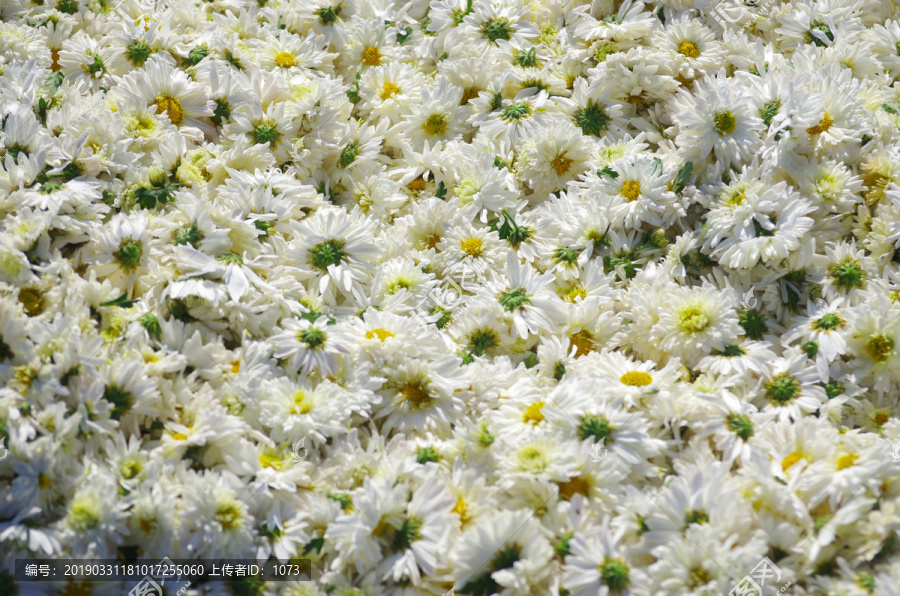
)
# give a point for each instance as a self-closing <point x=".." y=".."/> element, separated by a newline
<point x="694" y="322"/>
<point x="550" y="158"/>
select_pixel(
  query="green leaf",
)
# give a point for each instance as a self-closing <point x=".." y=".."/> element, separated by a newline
<point x="353" y="90"/>
<point x="54" y="81"/>
<point x="683" y="175"/>
<point x="441" y="191"/>
<point x="121" y="301"/>
<point x="892" y="107"/>
<point x="608" y="172"/>
<point x="402" y="37"/>
<point x="531" y="361"/>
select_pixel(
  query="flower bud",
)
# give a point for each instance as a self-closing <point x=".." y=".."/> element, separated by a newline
<point x="158" y="177"/>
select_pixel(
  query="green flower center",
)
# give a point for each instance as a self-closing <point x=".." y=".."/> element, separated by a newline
<point x="481" y="341"/>
<point x="516" y="111"/>
<point x="121" y="400"/>
<point x="811" y="348"/>
<point x="782" y="388"/>
<point x="753" y="323"/>
<point x="817" y="26"/>
<point x="739" y="425"/>
<point x="230" y="258"/>
<point x="725" y="122"/>
<point x="189" y="234"/>
<point x="84" y="515"/>
<point x="323" y="254"/>
<point x="732" y="351"/>
<point x="151" y="324"/>
<point x="265" y="132"/>
<point x="197" y="55"/>
<point x="222" y="113"/>
<point x="526" y="59"/>
<point x="565" y="255"/>
<point x="313" y="337"/>
<point x="597" y="427"/>
<point x="427" y="454"/>
<point x="847" y="274"/>
<point x="769" y="111"/>
<point x="130" y="253"/>
<point x="349" y="154"/>
<point x="696" y="516"/>
<point x="592" y="119"/>
<point x="513" y="300"/>
<point x="614" y="574"/>
<point x="828" y="322"/>
<point x="137" y="53"/>
<point x="96" y="65"/>
<point x="329" y="14"/>
<point x="496" y="28"/>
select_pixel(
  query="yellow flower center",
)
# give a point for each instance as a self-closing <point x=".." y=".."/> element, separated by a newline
<point x="583" y="341"/>
<point x="693" y="320"/>
<point x="417" y="185"/>
<point x="415" y="393"/>
<point x="388" y="90"/>
<point x="469" y="94"/>
<point x="790" y="460"/>
<point x="573" y="293"/>
<point x="461" y="509"/>
<point x="285" y="60"/>
<point x="847" y="460"/>
<point x="302" y="403"/>
<point x="381" y="334"/>
<point x="561" y="164"/>
<point x="371" y="56"/>
<point x="636" y="378"/>
<point x="533" y="413"/>
<point x="269" y="461"/>
<point x="171" y="106"/>
<point x="435" y="125"/>
<point x="236" y="366"/>
<point x="631" y="190"/>
<point x="574" y="486"/>
<point x="471" y="246"/>
<point x="879" y="348"/>
<point x="689" y="49"/>
<point x="725" y="122"/>
<point x="823" y="125"/>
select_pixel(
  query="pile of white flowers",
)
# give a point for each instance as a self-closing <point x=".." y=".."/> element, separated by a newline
<point x="507" y="297"/>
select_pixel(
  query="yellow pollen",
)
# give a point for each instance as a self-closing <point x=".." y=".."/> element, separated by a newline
<point x="285" y="60"/>
<point x="236" y="366"/>
<point x="881" y="418"/>
<point x="415" y="393"/>
<point x="823" y="125"/>
<point x="636" y="378"/>
<point x="845" y="461"/>
<point x="43" y="481"/>
<point x="432" y="241"/>
<point x="417" y="185"/>
<point x="469" y="94"/>
<point x="790" y="460"/>
<point x="533" y="413"/>
<point x="583" y="341"/>
<point x="472" y="247"/>
<point x="561" y="164"/>
<point x="879" y="348"/>
<point x="146" y="525"/>
<point x="381" y="334"/>
<point x="689" y="49"/>
<point x="461" y="509"/>
<point x="575" y="486"/>
<point x="303" y="405"/>
<point x="179" y="437"/>
<point x="371" y="56"/>
<point x="631" y="190"/>
<point x="435" y="125"/>
<point x="635" y="99"/>
<point x="389" y="90"/>
<point x="573" y="293"/>
<point x="269" y="461"/>
<point x="171" y="106"/>
<point x="693" y="319"/>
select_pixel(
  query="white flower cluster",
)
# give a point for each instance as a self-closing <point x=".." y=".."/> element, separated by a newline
<point x="488" y="296"/>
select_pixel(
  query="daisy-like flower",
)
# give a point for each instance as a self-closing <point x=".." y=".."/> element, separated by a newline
<point x="523" y="297"/>
<point x="289" y="54"/>
<point x="123" y="253"/>
<point x="716" y="121"/>
<point x="514" y="547"/>
<point x="512" y="120"/>
<point x="792" y="388"/>
<point x="333" y="247"/>
<point x="158" y="83"/>
<point x="597" y="565"/>
<point x="696" y="321"/>
<point x="389" y="91"/>
<point x="692" y="48"/>
<point x="549" y="160"/>
<point x="494" y="21"/>
<point x="437" y="117"/>
<point x="637" y="194"/>
<point x="310" y="346"/>
<point x="873" y="341"/>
